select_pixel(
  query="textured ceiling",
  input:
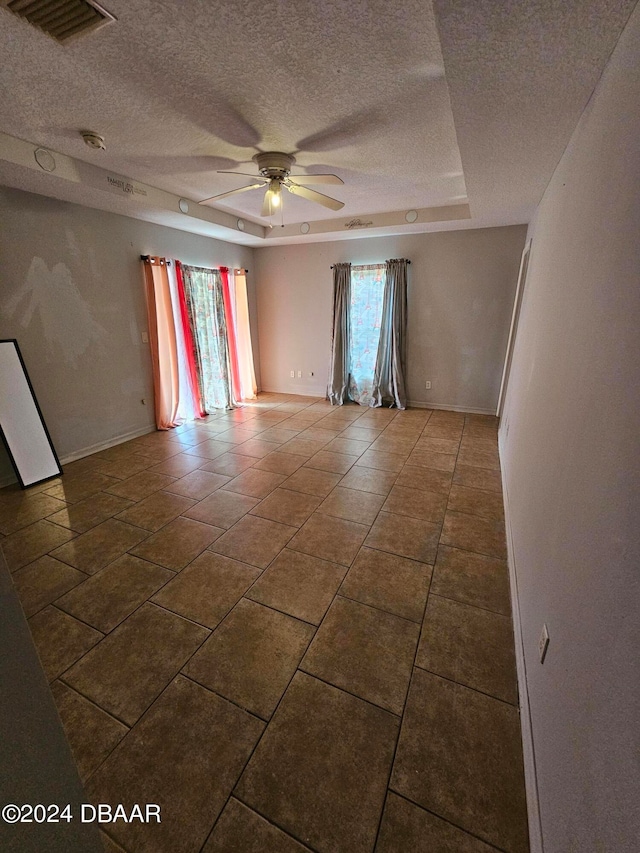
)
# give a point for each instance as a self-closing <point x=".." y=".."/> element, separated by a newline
<point x="520" y="73"/>
<point x="182" y="89"/>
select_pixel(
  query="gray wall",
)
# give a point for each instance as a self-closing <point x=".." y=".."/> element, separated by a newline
<point x="461" y="288"/>
<point x="71" y="292"/>
<point x="35" y="757"/>
<point x="570" y="455"/>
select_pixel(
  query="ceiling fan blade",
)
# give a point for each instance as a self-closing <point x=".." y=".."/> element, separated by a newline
<point x="231" y="192"/>
<point x="312" y="195"/>
<point x="315" y="179"/>
<point x="245" y="174"/>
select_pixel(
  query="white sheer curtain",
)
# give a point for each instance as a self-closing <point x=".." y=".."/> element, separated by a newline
<point x="367" y="292"/>
<point x="248" y="387"/>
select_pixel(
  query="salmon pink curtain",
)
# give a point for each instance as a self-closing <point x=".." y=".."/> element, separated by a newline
<point x="248" y="387"/>
<point x="162" y="340"/>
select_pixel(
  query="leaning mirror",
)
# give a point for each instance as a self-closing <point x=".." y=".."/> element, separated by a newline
<point x="22" y="426"/>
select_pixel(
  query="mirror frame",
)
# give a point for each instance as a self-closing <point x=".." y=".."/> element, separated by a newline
<point x="12" y="451"/>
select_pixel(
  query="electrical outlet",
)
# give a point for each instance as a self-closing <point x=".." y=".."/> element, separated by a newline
<point x="293" y="374"/>
<point x="543" y="643"/>
<point x="143" y="401"/>
<point x="299" y="374"/>
<point x="427" y="385"/>
<point x="145" y="337"/>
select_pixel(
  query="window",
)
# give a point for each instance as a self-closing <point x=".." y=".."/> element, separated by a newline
<point x="200" y="339"/>
<point x="368" y="342"/>
<point x="365" y="316"/>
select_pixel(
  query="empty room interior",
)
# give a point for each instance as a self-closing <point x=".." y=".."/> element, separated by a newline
<point x="330" y="313"/>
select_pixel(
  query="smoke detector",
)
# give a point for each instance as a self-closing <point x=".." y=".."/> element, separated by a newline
<point x="93" y="140"/>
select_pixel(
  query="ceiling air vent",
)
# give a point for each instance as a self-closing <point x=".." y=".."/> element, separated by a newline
<point x="61" y="19"/>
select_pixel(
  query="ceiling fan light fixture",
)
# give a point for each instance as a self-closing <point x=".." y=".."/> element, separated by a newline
<point x="275" y="193"/>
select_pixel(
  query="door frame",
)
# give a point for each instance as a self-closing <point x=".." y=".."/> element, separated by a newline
<point x="515" y="316"/>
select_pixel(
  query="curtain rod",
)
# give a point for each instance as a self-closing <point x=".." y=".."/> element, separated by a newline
<point x="148" y="258"/>
<point x="366" y="265"/>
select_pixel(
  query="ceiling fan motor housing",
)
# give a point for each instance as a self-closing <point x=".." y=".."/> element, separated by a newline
<point x="274" y="164"/>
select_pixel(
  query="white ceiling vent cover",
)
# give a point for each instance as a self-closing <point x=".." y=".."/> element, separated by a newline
<point x="61" y="19"/>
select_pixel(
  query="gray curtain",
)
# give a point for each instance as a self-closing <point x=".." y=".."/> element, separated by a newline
<point x="337" y="390"/>
<point x="388" y="379"/>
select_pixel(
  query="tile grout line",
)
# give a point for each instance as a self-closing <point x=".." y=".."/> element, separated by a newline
<point x="446" y="820"/>
<point x="220" y="696"/>
<point x="374" y="606"/>
<point x="467" y="686"/>
<point x="468" y="604"/>
<point x="269" y="820"/>
<point x="342" y="689"/>
<point x="404" y="705"/>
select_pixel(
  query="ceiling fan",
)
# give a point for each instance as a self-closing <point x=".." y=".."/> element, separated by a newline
<point x="275" y="169"/>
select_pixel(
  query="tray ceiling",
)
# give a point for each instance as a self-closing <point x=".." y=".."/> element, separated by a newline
<point x="182" y="89"/>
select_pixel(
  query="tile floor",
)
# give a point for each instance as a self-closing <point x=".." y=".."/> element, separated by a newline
<point x="289" y="625"/>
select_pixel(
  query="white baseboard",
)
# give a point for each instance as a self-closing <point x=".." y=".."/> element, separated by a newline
<point x="528" y="750"/>
<point x="416" y="404"/>
<point x="87" y="451"/>
<point x="321" y="390"/>
<point x="299" y="390"/>
<point x="103" y="445"/>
